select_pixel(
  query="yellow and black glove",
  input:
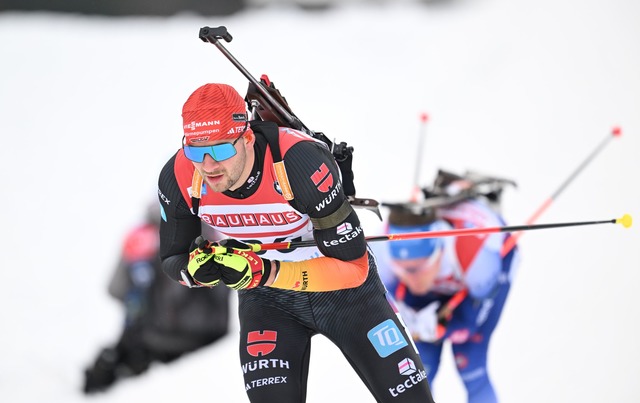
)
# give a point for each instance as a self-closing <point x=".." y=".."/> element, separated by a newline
<point x="202" y="269"/>
<point x="240" y="267"/>
<point x="229" y="260"/>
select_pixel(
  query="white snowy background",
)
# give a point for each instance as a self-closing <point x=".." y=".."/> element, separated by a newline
<point x="90" y="110"/>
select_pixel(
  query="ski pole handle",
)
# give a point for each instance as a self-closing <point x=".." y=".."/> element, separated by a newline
<point x="208" y="34"/>
<point x="212" y="35"/>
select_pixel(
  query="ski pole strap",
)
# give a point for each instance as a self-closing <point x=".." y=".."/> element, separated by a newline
<point x="335" y="218"/>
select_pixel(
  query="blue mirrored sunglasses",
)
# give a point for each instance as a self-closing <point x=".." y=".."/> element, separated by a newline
<point x="219" y="152"/>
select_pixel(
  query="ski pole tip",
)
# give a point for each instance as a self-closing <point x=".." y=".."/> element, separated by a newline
<point x="255" y="247"/>
<point x="625" y="220"/>
<point x="424" y="117"/>
<point x="616" y="131"/>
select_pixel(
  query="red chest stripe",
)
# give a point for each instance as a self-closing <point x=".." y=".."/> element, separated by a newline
<point x="265" y="214"/>
<point x="251" y="219"/>
<point x="244" y="232"/>
<point x="467" y="247"/>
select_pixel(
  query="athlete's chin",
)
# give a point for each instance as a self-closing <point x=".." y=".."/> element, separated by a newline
<point x="419" y="289"/>
<point x="218" y="183"/>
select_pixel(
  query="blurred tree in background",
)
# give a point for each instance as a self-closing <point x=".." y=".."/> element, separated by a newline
<point x="127" y="7"/>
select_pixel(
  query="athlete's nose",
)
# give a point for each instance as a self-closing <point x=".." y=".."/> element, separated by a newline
<point x="209" y="164"/>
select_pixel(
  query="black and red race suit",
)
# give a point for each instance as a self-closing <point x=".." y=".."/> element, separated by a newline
<point x="333" y="289"/>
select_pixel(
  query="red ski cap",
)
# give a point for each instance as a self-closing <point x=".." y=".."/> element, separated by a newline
<point x="213" y="112"/>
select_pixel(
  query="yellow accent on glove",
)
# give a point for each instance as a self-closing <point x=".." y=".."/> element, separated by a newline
<point x="201" y="267"/>
<point x="240" y="267"/>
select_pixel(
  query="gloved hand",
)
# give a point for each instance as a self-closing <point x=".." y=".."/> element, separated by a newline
<point x="408" y="316"/>
<point x="427" y="327"/>
<point x="202" y="268"/>
<point x="240" y="267"/>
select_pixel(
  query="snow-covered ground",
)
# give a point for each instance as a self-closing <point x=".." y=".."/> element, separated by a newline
<point x="90" y="110"/>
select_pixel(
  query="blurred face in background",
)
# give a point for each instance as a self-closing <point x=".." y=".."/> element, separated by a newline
<point x="418" y="274"/>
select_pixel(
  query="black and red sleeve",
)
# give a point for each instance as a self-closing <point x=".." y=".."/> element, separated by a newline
<point x="178" y="226"/>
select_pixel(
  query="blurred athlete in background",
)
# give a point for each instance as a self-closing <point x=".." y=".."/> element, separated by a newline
<point x="423" y="274"/>
<point x="163" y="320"/>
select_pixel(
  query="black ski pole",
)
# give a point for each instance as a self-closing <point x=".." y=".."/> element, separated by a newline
<point x="447" y="309"/>
<point x="625" y="221"/>
<point x="510" y="243"/>
<point x="416" y="175"/>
